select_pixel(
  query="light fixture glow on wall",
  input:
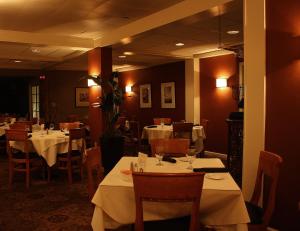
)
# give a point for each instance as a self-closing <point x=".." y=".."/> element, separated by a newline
<point x="128" y="89"/>
<point x="221" y="82"/>
<point x="91" y="83"/>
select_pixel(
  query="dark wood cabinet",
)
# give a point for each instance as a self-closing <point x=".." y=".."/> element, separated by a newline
<point x="235" y="149"/>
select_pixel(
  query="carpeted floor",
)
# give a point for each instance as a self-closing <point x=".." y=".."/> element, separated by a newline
<point x="54" y="206"/>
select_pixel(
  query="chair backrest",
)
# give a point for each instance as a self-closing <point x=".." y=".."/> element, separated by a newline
<point x="69" y="126"/>
<point x="269" y="164"/>
<point x="19" y="136"/>
<point x="77" y="134"/>
<point x="158" y="121"/>
<point x="204" y="123"/>
<point x="95" y="171"/>
<point x="183" y="130"/>
<point x="23" y="125"/>
<point x="172" y="147"/>
<point x="168" y="187"/>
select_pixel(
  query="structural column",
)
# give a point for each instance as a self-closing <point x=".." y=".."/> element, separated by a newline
<point x="99" y="63"/>
<point x="192" y="91"/>
<point x="255" y="75"/>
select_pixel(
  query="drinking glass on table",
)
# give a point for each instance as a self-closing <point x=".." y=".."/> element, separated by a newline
<point x="159" y="155"/>
<point x="51" y="127"/>
<point x="191" y="155"/>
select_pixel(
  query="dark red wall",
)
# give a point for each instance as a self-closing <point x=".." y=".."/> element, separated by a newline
<point x="217" y="103"/>
<point x="283" y="105"/>
<point x="174" y="72"/>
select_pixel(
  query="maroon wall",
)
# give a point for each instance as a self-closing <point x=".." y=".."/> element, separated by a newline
<point x="217" y="103"/>
<point x="174" y="72"/>
<point x="283" y="105"/>
<point x="60" y="100"/>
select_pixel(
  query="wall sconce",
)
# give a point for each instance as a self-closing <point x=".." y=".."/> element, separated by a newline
<point x="128" y="89"/>
<point x="221" y="82"/>
<point x="91" y="83"/>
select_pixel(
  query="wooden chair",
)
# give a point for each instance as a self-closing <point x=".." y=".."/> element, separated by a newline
<point x="21" y="161"/>
<point x="268" y="169"/>
<point x="168" y="187"/>
<point x="204" y="123"/>
<point x="73" y="158"/>
<point x="23" y="125"/>
<point x="71" y="125"/>
<point x="95" y="171"/>
<point x="132" y="136"/>
<point x="183" y="130"/>
<point x="157" y="121"/>
<point x="172" y="147"/>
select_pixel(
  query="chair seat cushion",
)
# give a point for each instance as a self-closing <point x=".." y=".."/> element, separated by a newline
<point x="255" y="213"/>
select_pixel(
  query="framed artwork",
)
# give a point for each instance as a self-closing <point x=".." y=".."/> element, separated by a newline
<point x="81" y="96"/>
<point x="145" y="96"/>
<point x="168" y="95"/>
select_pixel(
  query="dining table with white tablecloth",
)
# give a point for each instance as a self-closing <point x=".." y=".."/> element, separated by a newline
<point x="221" y="205"/>
<point x="166" y="131"/>
<point x="48" y="144"/>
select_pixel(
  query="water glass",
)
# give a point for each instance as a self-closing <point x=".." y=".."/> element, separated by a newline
<point x="159" y="155"/>
<point x="191" y="155"/>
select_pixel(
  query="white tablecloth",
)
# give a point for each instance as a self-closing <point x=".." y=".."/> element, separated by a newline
<point x="2" y="129"/>
<point x="166" y="132"/>
<point x="222" y="204"/>
<point x="48" y="145"/>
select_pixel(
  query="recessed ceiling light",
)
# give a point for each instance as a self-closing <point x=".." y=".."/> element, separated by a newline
<point x="128" y="53"/>
<point x="17" y="61"/>
<point x="122" y="56"/>
<point x="35" y="50"/>
<point x="231" y="32"/>
<point x="179" y="44"/>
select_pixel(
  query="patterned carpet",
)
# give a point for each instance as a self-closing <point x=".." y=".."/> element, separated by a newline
<point x="54" y="206"/>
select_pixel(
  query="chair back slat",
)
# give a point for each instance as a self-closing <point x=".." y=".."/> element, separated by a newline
<point x="168" y="187"/>
<point x="269" y="165"/>
<point x="173" y="147"/>
<point x="158" y="121"/>
<point x="69" y="125"/>
<point x="183" y="130"/>
<point x="23" y="125"/>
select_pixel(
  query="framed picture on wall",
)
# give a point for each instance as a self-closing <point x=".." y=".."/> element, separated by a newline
<point x="145" y="96"/>
<point x="168" y="95"/>
<point x="81" y="96"/>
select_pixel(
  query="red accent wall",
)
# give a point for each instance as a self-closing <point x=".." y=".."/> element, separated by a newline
<point x="174" y="72"/>
<point x="283" y="105"/>
<point x="217" y="103"/>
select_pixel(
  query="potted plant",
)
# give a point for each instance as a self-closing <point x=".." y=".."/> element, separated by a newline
<point x="112" y="141"/>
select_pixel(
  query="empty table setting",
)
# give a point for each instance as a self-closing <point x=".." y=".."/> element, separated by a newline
<point x="221" y="205"/>
<point x="166" y="131"/>
<point x="48" y="144"/>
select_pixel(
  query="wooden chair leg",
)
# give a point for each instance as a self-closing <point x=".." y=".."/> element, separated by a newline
<point x="48" y="174"/>
<point x="27" y="175"/>
<point x="69" y="165"/>
<point x="10" y="174"/>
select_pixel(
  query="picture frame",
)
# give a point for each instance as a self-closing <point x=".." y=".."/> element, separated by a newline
<point x="81" y="96"/>
<point x="145" y="96"/>
<point x="168" y="95"/>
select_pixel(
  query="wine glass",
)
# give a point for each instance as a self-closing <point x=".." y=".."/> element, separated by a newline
<point x="191" y="155"/>
<point x="51" y="126"/>
<point x="159" y="155"/>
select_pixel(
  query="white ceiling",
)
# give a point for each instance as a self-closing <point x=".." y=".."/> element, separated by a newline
<point x="55" y="34"/>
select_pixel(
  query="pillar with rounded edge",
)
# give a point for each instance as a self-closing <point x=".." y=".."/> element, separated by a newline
<point x="255" y="74"/>
<point x="192" y="91"/>
<point x="99" y="63"/>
